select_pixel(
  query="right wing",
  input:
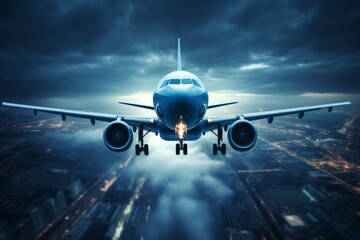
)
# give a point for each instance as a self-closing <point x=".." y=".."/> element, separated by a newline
<point x="298" y="110"/>
<point x="214" y="122"/>
<point x="147" y="123"/>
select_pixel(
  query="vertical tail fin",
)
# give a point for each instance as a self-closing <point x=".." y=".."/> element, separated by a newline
<point x="179" y="56"/>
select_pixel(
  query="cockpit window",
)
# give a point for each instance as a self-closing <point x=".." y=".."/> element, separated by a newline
<point x="174" y="81"/>
<point x="186" y="81"/>
<point x="164" y="83"/>
<point x="196" y="83"/>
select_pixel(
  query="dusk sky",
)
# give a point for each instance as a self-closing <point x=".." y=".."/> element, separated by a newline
<point x="99" y="49"/>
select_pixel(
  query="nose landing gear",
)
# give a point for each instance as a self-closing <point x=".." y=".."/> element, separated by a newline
<point x="181" y="146"/>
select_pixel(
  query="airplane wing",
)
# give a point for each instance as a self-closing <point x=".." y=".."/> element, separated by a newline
<point x="221" y="105"/>
<point x="214" y="122"/>
<point x="147" y="123"/>
<point x="138" y="105"/>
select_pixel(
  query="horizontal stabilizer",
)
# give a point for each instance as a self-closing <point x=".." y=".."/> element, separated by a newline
<point x="221" y="105"/>
<point x="137" y="105"/>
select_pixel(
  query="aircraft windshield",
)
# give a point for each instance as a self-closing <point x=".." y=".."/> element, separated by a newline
<point x="196" y="83"/>
<point x="165" y="83"/>
<point x="186" y="81"/>
<point x="174" y="81"/>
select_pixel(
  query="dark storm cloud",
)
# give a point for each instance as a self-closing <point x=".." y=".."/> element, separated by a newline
<point x="90" y="48"/>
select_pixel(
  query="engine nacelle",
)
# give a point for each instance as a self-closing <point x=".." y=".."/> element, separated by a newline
<point x="242" y="135"/>
<point x="118" y="136"/>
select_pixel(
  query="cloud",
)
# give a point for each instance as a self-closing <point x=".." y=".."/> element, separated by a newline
<point x="184" y="184"/>
<point x="254" y="66"/>
<point x="91" y="48"/>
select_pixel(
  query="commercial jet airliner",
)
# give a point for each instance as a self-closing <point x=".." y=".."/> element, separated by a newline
<point x="180" y="101"/>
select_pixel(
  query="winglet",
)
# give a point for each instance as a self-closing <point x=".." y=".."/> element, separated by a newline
<point x="179" y="56"/>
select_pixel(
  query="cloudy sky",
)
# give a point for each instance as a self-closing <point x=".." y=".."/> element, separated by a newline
<point x="113" y="49"/>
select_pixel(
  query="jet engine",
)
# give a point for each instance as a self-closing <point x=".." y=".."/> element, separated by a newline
<point x="242" y="135"/>
<point x="118" y="136"/>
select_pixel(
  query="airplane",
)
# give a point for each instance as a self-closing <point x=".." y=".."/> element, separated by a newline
<point x="180" y="101"/>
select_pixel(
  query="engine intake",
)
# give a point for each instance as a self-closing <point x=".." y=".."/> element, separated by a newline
<point x="242" y="135"/>
<point x="118" y="136"/>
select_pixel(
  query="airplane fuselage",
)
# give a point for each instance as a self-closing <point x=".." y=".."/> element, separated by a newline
<point x="180" y="96"/>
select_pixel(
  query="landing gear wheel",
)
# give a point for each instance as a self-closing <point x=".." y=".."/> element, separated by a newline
<point x="223" y="149"/>
<point x="137" y="149"/>
<point x="185" y="149"/>
<point x="146" y="149"/>
<point x="177" y="149"/>
<point x="215" y="149"/>
<point x="141" y="147"/>
<point x="181" y="147"/>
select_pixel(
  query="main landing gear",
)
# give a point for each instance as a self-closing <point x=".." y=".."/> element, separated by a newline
<point x="219" y="146"/>
<point x="141" y="147"/>
<point x="181" y="146"/>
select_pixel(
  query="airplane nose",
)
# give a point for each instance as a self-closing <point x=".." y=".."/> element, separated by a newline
<point x="180" y="108"/>
<point x="181" y="103"/>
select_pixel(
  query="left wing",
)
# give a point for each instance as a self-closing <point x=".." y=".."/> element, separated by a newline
<point x="137" y="105"/>
<point x="148" y="123"/>
<point x="227" y="120"/>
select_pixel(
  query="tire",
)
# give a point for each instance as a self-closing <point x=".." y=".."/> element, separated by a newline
<point x="223" y="149"/>
<point x="177" y="149"/>
<point x="146" y="149"/>
<point x="137" y="149"/>
<point x="185" y="150"/>
<point x="215" y="149"/>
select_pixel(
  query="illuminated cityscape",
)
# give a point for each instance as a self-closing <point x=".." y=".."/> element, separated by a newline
<point x="300" y="181"/>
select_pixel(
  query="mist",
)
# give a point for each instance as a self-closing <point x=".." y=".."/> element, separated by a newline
<point x="181" y="212"/>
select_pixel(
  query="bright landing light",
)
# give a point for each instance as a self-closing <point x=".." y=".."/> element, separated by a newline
<point x="181" y="128"/>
